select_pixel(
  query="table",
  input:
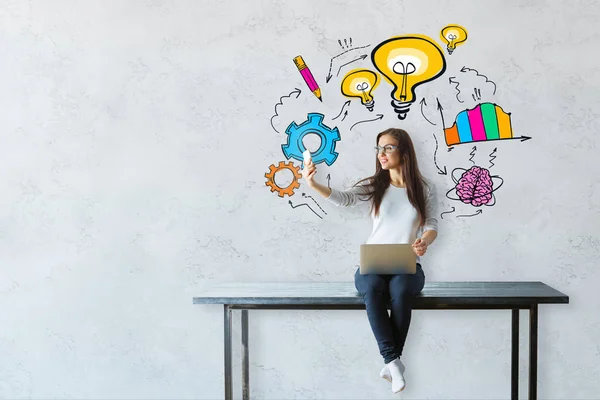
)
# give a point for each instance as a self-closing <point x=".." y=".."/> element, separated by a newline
<point x="463" y="295"/>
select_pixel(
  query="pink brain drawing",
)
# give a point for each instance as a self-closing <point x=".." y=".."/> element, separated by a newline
<point x="475" y="186"/>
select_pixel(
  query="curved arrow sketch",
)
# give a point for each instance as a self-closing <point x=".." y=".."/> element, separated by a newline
<point x="296" y="90"/>
<point x="447" y="212"/>
<point x="457" y="89"/>
<point x="471" y="215"/>
<point x="379" y="116"/>
<point x="422" y="113"/>
<point x="347" y="103"/>
<point x="466" y="69"/>
<point x="445" y="171"/>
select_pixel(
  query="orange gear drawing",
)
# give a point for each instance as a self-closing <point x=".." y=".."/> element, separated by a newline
<point x="271" y="178"/>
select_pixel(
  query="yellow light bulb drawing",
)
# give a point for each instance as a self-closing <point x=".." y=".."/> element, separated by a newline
<point x="406" y="62"/>
<point x="453" y="35"/>
<point x="361" y="83"/>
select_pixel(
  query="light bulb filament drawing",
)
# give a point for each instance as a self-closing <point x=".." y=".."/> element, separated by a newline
<point x="404" y="70"/>
<point x="360" y="83"/>
<point x="406" y="62"/>
<point x="453" y="35"/>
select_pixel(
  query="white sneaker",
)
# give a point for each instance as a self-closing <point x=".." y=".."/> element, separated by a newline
<point x="396" y="371"/>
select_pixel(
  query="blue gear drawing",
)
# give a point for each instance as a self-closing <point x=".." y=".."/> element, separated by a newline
<point x="294" y="147"/>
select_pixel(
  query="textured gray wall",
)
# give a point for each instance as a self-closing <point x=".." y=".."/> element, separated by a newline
<point x="134" y="140"/>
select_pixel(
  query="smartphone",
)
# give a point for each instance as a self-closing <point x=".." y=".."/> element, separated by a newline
<point x="307" y="157"/>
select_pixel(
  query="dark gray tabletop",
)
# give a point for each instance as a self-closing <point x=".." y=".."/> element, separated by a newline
<point x="344" y="293"/>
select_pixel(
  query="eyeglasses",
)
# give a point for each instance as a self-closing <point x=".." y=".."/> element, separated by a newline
<point x="385" y="149"/>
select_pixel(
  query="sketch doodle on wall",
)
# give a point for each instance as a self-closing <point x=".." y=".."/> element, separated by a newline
<point x="360" y="83"/>
<point x="283" y="191"/>
<point x="314" y="201"/>
<point x="296" y="91"/>
<point x="400" y="64"/>
<point x="307" y="205"/>
<point x="440" y="171"/>
<point x="308" y="77"/>
<point x="475" y="186"/>
<point x="450" y="81"/>
<point x="493" y="157"/>
<point x="313" y="125"/>
<point x="304" y="204"/>
<point x="346" y="104"/>
<point x="351" y="62"/>
<point x="378" y="117"/>
<point x="484" y="122"/>
<point x="487" y="80"/>
<point x="453" y="35"/>
<point x="347" y="43"/>
<point x="406" y="62"/>
<point x="346" y="51"/>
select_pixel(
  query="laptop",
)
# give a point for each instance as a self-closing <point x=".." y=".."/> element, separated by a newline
<point x="387" y="259"/>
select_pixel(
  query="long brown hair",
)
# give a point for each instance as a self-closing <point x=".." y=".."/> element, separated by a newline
<point x="377" y="184"/>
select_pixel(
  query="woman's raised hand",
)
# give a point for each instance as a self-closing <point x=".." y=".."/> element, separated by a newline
<point x="309" y="172"/>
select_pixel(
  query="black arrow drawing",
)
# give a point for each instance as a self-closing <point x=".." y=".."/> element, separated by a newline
<point x="447" y="212"/>
<point x="472" y="215"/>
<point x="347" y="103"/>
<point x="329" y="76"/>
<point x="304" y="195"/>
<point x="350" y="62"/>
<point x="422" y="113"/>
<point x="345" y="115"/>
<point x="466" y="69"/>
<point x="523" y="138"/>
<point x="473" y="150"/>
<point x="304" y="204"/>
<point x="492" y="158"/>
<point x="457" y="89"/>
<point x="441" y="109"/>
<point x="444" y="172"/>
<point x="379" y="116"/>
<point x="296" y="90"/>
<point x="328" y="179"/>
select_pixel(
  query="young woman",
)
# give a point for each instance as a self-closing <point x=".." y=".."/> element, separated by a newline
<point x="403" y="210"/>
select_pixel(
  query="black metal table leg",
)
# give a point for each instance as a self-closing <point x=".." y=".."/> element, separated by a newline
<point x="245" y="359"/>
<point x="533" y="343"/>
<point x="514" y="365"/>
<point x="228" y="357"/>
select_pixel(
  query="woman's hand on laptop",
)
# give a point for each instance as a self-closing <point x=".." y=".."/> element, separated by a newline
<point x="419" y="246"/>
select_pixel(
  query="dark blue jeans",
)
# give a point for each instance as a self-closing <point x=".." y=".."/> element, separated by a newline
<point x="377" y="292"/>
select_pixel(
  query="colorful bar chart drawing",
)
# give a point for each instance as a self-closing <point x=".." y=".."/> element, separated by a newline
<point x="487" y="121"/>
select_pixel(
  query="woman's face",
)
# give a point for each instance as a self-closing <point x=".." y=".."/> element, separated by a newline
<point x="388" y="154"/>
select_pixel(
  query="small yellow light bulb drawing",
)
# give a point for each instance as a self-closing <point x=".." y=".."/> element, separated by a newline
<point x="453" y="35"/>
<point x="406" y="62"/>
<point x="360" y="83"/>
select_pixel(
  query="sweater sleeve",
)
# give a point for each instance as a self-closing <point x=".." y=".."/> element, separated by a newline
<point x="431" y="208"/>
<point x="349" y="197"/>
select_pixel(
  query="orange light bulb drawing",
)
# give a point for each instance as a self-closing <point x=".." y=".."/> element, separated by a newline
<point x="361" y="83"/>
<point x="406" y="62"/>
<point x="453" y="35"/>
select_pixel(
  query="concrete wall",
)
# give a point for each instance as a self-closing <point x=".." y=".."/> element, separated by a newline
<point x="134" y="141"/>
